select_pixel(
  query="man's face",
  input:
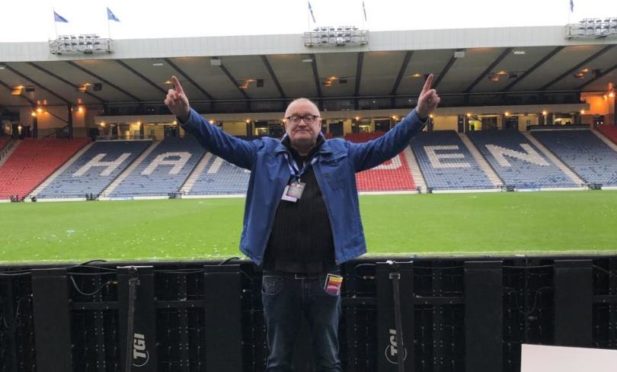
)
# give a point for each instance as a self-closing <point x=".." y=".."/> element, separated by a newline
<point x="302" y="123"/>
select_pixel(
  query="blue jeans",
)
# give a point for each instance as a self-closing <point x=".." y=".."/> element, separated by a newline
<point x="286" y="298"/>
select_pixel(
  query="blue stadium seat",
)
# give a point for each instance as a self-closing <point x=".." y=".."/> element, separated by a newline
<point x="94" y="170"/>
<point x="446" y="163"/>
<point x="221" y="178"/>
<point x="164" y="170"/>
<point x="584" y="153"/>
<point x="518" y="162"/>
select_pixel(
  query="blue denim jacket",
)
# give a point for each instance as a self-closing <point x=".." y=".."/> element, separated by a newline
<point x="335" y="165"/>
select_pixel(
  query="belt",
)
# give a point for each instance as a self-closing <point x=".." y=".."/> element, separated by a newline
<point x="295" y="275"/>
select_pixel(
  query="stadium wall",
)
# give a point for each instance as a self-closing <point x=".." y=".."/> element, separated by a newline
<point x="446" y="123"/>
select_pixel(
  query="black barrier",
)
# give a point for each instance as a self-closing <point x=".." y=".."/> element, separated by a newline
<point x="395" y="316"/>
<point x="573" y="303"/>
<point x="137" y="319"/>
<point x="51" y="320"/>
<point x="483" y="290"/>
<point x="455" y="314"/>
<point x="223" y="341"/>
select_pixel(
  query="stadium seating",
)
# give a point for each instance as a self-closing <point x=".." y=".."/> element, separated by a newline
<point x="32" y="162"/>
<point x="3" y="142"/>
<point x="164" y="170"/>
<point x="219" y="177"/>
<point x="609" y="131"/>
<point x="518" y="162"/>
<point x="584" y="153"/>
<point x="392" y="175"/>
<point x="446" y="163"/>
<point x="94" y="170"/>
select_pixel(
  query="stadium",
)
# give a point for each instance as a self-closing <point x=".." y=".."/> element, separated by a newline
<point x="494" y="228"/>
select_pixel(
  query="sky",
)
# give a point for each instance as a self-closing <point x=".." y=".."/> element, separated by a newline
<point x="33" y="20"/>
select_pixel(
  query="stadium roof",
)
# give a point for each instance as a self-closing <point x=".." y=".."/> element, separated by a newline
<point x="258" y="70"/>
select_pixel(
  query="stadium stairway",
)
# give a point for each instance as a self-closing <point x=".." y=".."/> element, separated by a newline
<point x="3" y="142"/>
<point x="194" y="176"/>
<point x="609" y="131"/>
<point x="112" y="186"/>
<point x="607" y="135"/>
<point x="484" y="165"/>
<point x="416" y="172"/>
<point x="162" y="171"/>
<point x="520" y="163"/>
<point x="7" y="146"/>
<point x="561" y="165"/>
<point x="584" y="152"/>
<point x="32" y="161"/>
<point x="447" y="163"/>
<point x="215" y="176"/>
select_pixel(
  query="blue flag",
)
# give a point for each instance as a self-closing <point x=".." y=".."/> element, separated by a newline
<point x="571" y="6"/>
<point x="364" y="11"/>
<point x="311" y="11"/>
<point x="111" y="16"/>
<point x="59" y="18"/>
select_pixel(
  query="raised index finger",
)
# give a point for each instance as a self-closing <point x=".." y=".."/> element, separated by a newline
<point x="427" y="84"/>
<point x="177" y="85"/>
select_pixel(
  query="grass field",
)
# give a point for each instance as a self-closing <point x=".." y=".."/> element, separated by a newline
<point x="426" y="225"/>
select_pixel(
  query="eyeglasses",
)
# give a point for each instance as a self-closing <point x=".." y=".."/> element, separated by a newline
<point x="308" y="118"/>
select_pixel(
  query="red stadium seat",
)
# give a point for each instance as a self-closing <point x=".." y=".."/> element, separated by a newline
<point x="32" y="162"/>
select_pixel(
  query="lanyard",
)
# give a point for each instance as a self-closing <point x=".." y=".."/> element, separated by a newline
<point x="294" y="169"/>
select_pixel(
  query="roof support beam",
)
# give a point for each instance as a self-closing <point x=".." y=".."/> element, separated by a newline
<point x="188" y="78"/>
<point x="317" y="81"/>
<point x="237" y="85"/>
<point x="443" y="72"/>
<point x="64" y="80"/>
<point x="37" y="83"/>
<point x="570" y="71"/>
<point x="107" y="82"/>
<point x="153" y="84"/>
<point x="359" y="63"/>
<point x="401" y="72"/>
<point x="503" y="55"/>
<point x="9" y="88"/>
<point x="599" y="76"/>
<point x="534" y="67"/>
<point x="264" y="59"/>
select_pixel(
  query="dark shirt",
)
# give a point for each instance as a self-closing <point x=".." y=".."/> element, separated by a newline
<point x="301" y="237"/>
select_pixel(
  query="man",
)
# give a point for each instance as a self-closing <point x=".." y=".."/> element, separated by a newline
<point x="302" y="217"/>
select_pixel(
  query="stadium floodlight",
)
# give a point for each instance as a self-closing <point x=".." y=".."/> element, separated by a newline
<point x="80" y="44"/>
<point x="340" y="36"/>
<point x="593" y="28"/>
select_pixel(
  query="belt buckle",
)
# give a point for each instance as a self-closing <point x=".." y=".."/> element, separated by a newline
<point x="303" y="276"/>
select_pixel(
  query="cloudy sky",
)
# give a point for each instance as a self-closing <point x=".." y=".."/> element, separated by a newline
<point x="33" y="20"/>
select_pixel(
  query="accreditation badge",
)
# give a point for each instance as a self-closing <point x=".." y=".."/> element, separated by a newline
<point x="293" y="191"/>
<point x="333" y="284"/>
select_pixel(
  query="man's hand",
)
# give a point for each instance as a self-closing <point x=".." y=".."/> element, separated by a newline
<point x="177" y="102"/>
<point x="428" y="99"/>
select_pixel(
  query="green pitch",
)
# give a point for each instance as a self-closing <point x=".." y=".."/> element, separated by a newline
<point x="427" y="225"/>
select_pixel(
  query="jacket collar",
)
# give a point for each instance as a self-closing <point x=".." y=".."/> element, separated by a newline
<point x="324" y="147"/>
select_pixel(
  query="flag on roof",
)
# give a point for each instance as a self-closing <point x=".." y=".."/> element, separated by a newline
<point x="59" y="18"/>
<point x="111" y="16"/>
<point x="311" y="11"/>
<point x="364" y="10"/>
